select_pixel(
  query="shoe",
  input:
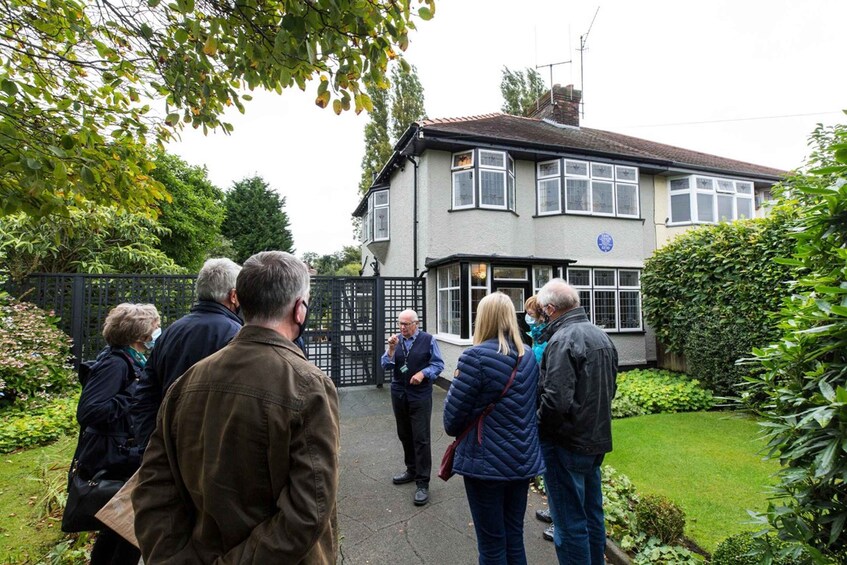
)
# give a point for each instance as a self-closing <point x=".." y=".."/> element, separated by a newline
<point x="403" y="478"/>
<point x="421" y="496"/>
<point x="548" y="533"/>
<point x="544" y="515"/>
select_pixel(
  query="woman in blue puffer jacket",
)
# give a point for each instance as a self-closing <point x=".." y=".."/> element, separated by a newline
<point x="500" y="456"/>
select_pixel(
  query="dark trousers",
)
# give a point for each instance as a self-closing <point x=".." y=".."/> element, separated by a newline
<point x="111" y="548"/>
<point x="498" y="509"/>
<point x="413" y="417"/>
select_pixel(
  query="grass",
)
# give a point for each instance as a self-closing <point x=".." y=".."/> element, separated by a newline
<point x="28" y="481"/>
<point x="707" y="462"/>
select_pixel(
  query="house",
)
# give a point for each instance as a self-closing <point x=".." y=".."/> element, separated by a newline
<point x="504" y="203"/>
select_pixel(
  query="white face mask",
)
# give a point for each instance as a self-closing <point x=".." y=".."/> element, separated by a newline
<point x="530" y="321"/>
<point x="155" y="335"/>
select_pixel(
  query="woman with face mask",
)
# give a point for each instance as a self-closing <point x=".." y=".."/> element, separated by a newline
<point x="106" y="440"/>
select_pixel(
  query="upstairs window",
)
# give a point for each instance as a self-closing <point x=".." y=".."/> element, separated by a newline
<point x="583" y="187"/>
<point x="700" y="199"/>
<point x="375" y="225"/>
<point x="483" y="178"/>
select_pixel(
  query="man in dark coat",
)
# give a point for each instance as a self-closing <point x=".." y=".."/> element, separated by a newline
<point x="578" y="382"/>
<point x="211" y="324"/>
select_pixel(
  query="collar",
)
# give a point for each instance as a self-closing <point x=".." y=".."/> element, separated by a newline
<point x="267" y="336"/>
<point x="572" y="316"/>
<point x="217" y="308"/>
<point x="411" y="337"/>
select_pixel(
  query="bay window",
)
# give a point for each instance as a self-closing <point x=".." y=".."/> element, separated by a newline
<point x="483" y="178"/>
<point x="375" y="225"/>
<point x="701" y="199"/>
<point x="599" y="189"/>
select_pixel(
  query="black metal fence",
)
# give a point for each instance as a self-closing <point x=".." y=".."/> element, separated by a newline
<point x="349" y="322"/>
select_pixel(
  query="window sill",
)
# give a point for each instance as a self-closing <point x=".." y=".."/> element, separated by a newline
<point x="451" y="210"/>
<point x="588" y="215"/>
<point x="453" y="339"/>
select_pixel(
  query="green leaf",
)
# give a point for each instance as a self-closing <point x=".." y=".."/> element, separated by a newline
<point x="9" y="87"/>
<point x="87" y="175"/>
<point x="827" y="391"/>
<point x="181" y="36"/>
<point x="425" y="13"/>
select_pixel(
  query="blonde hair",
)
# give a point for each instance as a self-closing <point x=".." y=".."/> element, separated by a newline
<point x="531" y="306"/>
<point x="496" y="317"/>
<point x="128" y="323"/>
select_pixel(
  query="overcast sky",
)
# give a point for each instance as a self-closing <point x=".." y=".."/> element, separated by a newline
<point x="741" y="79"/>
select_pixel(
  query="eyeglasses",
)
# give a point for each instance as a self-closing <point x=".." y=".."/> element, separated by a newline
<point x="407" y="324"/>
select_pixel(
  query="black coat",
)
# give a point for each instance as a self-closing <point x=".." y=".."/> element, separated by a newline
<point x="206" y="329"/>
<point x="106" y="438"/>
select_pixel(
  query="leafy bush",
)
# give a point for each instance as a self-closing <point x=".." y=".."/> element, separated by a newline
<point x="27" y="426"/>
<point x="805" y="416"/>
<point x="33" y="353"/>
<point x="655" y="391"/>
<point x="710" y="294"/>
<point x="661" y="518"/>
<point x="743" y="549"/>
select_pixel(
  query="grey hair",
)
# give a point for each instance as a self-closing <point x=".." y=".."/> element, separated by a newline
<point x="559" y="294"/>
<point x="216" y="278"/>
<point x="410" y="312"/>
<point x="269" y="284"/>
<point x="128" y="323"/>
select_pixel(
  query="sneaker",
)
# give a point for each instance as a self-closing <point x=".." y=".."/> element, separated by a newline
<point x="548" y="533"/>
<point x="544" y="515"/>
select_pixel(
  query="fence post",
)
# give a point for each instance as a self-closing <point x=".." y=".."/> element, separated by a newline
<point x="379" y="329"/>
<point x="77" y="305"/>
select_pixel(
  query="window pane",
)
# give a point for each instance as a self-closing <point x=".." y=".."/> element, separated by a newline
<point x="680" y="184"/>
<point x="381" y="223"/>
<point x="548" y="169"/>
<point x="576" y="168"/>
<point x="579" y="277"/>
<point x="479" y="274"/>
<point x="463" y="189"/>
<point x="627" y="199"/>
<point x="602" y="171"/>
<point x="744" y="187"/>
<point x="585" y="302"/>
<point x="577" y="194"/>
<point x="680" y="208"/>
<point x="511" y="190"/>
<point x="477" y="294"/>
<point x="493" y="188"/>
<point x="604" y="309"/>
<point x="443" y="311"/>
<point x="453" y="275"/>
<point x="704" y="183"/>
<point x="725" y="206"/>
<point x="726" y="185"/>
<point x="604" y="277"/>
<point x="380" y="198"/>
<point x="492" y="159"/>
<point x="705" y="208"/>
<point x="626" y="174"/>
<point x="745" y="207"/>
<point x="630" y="310"/>
<point x="602" y="197"/>
<point x="548" y="195"/>
<point x="517" y="296"/>
<point x="542" y="276"/>
<point x="363" y="232"/>
<point x="629" y="278"/>
<point x="510" y="273"/>
<point x="463" y="160"/>
<point x="455" y="312"/>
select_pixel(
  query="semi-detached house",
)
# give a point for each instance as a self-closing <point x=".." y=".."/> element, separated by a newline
<point x="504" y="203"/>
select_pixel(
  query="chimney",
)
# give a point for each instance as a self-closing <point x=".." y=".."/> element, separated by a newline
<point x="564" y="109"/>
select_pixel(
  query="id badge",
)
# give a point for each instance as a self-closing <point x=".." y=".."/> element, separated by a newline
<point x="404" y="369"/>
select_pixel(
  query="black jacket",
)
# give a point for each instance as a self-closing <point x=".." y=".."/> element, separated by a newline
<point x="203" y="331"/>
<point x="578" y="382"/>
<point x="106" y="438"/>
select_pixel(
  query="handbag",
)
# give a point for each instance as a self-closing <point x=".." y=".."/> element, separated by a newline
<point x="445" y="471"/>
<point x="85" y="498"/>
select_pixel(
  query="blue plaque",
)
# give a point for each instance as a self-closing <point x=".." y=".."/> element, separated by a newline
<point x="605" y="242"/>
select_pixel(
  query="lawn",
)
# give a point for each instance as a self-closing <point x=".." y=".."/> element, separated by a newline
<point x="26" y="534"/>
<point x="707" y="462"/>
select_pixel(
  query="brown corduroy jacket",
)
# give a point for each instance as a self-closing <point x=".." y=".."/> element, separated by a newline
<point x="243" y="465"/>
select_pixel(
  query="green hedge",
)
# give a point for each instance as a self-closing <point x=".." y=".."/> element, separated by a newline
<point x="28" y="427"/>
<point x="711" y="294"/>
<point x="653" y="391"/>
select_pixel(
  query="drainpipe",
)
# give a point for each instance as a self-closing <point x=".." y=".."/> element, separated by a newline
<point x="415" y="219"/>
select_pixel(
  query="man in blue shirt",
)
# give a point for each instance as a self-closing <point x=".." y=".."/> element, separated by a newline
<point x="415" y="361"/>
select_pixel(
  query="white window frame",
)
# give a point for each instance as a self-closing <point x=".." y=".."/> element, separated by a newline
<point x="535" y="268"/>
<point x="493" y="267"/>
<point x="592" y="288"/>
<point x="374" y="210"/>
<point x="473" y="189"/>
<point x="557" y="176"/>
<point x="631" y="181"/>
<point x="472" y="287"/>
<point x="501" y="171"/>
<point x="447" y="289"/>
<point x="614" y="203"/>
<point x="739" y="190"/>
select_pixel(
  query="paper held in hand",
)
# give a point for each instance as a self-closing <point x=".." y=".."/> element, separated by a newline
<point x="118" y="513"/>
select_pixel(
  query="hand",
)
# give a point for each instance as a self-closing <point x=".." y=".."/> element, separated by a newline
<point x="392" y="344"/>
<point x="417" y="378"/>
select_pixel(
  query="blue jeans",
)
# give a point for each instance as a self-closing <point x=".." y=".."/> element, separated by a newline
<point x="498" y="509"/>
<point x="575" y="498"/>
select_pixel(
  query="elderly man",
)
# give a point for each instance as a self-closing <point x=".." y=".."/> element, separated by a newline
<point x="578" y="382"/>
<point x="243" y="465"/>
<point x="211" y="324"/>
<point x="415" y="365"/>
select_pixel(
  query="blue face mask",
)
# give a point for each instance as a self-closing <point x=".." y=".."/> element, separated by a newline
<point x="530" y="321"/>
<point x="156" y="333"/>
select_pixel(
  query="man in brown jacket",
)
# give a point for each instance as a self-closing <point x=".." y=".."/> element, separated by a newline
<point x="243" y="465"/>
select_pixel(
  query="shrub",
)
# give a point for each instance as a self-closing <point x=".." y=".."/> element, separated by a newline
<point x="30" y="426"/>
<point x="34" y="353"/>
<point x="655" y="391"/>
<point x="745" y="549"/>
<point x="661" y="518"/>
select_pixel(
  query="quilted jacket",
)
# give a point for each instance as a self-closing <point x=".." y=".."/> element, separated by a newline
<point x="505" y="445"/>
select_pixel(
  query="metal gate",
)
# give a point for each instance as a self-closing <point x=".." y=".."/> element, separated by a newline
<point x="350" y="318"/>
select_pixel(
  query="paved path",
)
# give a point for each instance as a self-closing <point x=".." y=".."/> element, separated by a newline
<point x="378" y="522"/>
